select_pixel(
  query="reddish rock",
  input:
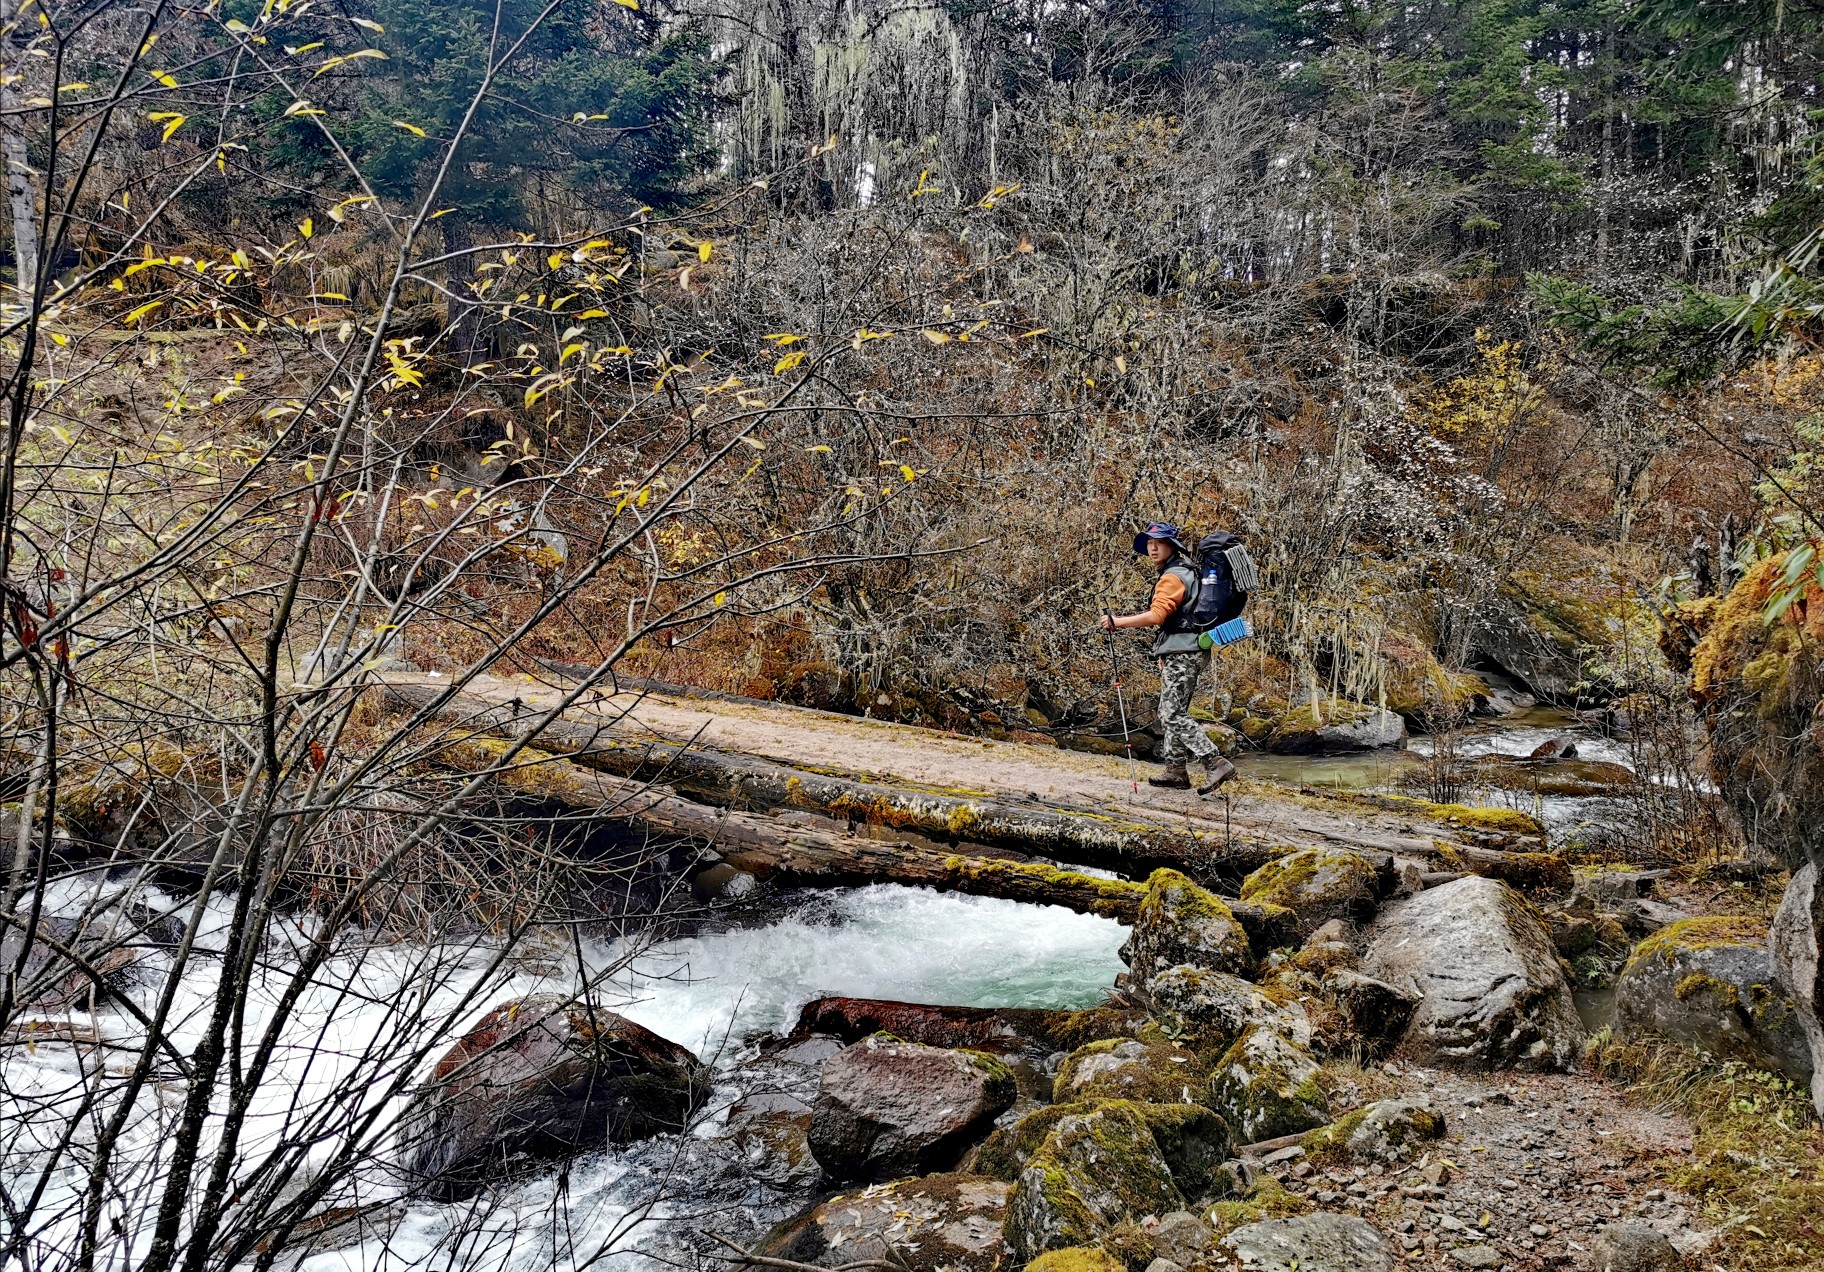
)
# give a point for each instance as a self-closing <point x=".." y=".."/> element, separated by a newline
<point x="887" y="1108"/>
<point x="543" y="1078"/>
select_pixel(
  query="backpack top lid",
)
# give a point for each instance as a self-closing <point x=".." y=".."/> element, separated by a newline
<point x="1215" y="541"/>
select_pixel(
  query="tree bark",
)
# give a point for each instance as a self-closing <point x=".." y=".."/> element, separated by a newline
<point x="795" y="850"/>
<point x="1130" y="846"/>
<point x="13" y="154"/>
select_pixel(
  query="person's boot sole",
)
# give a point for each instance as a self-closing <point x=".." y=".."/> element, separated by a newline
<point x="1169" y="783"/>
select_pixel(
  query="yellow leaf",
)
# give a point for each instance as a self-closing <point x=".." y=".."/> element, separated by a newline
<point x="348" y="57"/>
<point x="628" y="4"/>
<point x="570" y="349"/>
<point x="172" y="121"/>
<point x="1036" y="331"/>
<point x="413" y="129"/>
<point x="164" y="77"/>
<point x="703" y="250"/>
<point x="1121" y="364"/>
<point x="936" y="337"/>
<point x="818" y="450"/>
<point x="789" y="361"/>
<point x="140" y="312"/>
<point x="306" y="229"/>
<point x="755" y="442"/>
<point x="905" y="470"/>
<point x="592" y="313"/>
<point x="720" y="597"/>
<point x="370" y="24"/>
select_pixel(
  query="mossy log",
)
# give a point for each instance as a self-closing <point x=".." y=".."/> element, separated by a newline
<point x="991" y="1028"/>
<point x="1128" y="845"/>
<point x="796" y="850"/>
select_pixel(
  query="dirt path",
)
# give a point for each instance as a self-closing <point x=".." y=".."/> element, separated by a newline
<point x="806" y="738"/>
<point x="1529" y="1170"/>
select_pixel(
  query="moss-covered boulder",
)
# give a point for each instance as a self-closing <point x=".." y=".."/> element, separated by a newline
<point x="1095" y="1169"/>
<point x="1335" y="726"/>
<point x="1373" y="1014"/>
<point x="887" y="1108"/>
<point x="1709" y="982"/>
<point x="1480" y="960"/>
<point x="1266" y="1086"/>
<point x="1181" y="923"/>
<point x="1077" y="1259"/>
<point x="1759" y="686"/>
<point x="1385" y="1131"/>
<point x="941" y="1221"/>
<point x="1317" y="884"/>
<point x="1216" y="1007"/>
<point x="1127" y="1069"/>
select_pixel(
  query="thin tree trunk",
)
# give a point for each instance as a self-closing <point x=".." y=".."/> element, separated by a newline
<point x="12" y="153"/>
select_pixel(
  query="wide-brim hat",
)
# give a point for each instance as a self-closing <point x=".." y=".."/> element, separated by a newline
<point x="1159" y="530"/>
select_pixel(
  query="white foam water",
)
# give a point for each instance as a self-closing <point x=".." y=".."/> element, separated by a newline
<point x="375" y="1016"/>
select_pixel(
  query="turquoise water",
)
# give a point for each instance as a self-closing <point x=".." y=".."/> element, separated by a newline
<point x="883" y="941"/>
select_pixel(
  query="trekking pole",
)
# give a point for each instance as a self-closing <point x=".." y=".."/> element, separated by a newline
<point x="1114" y="675"/>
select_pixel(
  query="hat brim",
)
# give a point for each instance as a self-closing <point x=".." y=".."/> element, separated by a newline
<point x="1141" y="540"/>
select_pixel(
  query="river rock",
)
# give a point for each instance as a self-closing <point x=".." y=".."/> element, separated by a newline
<point x="1633" y="1247"/>
<point x="1710" y="982"/>
<point x="1180" y="1237"/>
<point x="1794" y="943"/>
<point x="1266" y="1086"/>
<point x="1316" y="884"/>
<point x="1126" y="1069"/>
<point x="1539" y="640"/>
<point x="543" y="1077"/>
<point x="1335" y="726"/>
<point x="1181" y="923"/>
<point x="1385" y="1131"/>
<point x="886" y="1108"/>
<point x="1320" y="1242"/>
<point x="1481" y="962"/>
<point x="941" y="1221"/>
<point x="1094" y="1169"/>
<point x="772" y="1130"/>
<point x="1373" y="1012"/>
<point x="1100" y="1164"/>
<point x="1218" y="1006"/>
<point x="1554" y="749"/>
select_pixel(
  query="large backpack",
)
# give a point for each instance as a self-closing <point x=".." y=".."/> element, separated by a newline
<point x="1225" y="576"/>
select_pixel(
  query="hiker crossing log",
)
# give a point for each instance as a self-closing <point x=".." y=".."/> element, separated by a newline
<point x="1110" y="841"/>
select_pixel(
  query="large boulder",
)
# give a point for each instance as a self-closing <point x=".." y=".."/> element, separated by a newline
<point x="1537" y="632"/>
<point x="1794" y="943"/>
<point x="941" y="1221"/>
<point x="1316" y="884"/>
<point x="1181" y="923"/>
<point x="539" y="1078"/>
<point x="1103" y="1163"/>
<point x="1710" y="982"/>
<point x="1481" y="962"/>
<point x="1320" y="1242"/>
<point x="1374" y="1014"/>
<point x="1217" y="1007"/>
<point x="1267" y="1086"/>
<point x="1128" y="1069"/>
<point x="772" y="1130"/>
<point x="1335" y="726"/>
<point x="887" y="1108"/>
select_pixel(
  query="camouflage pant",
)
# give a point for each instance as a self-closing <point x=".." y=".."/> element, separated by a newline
<point x="1184" y="737"/>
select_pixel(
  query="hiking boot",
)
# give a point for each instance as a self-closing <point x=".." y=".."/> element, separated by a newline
<point x="1174" y="778"/>
<point x="1220" y="771"/>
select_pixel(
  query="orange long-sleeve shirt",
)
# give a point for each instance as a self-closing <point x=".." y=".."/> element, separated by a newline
<point x="1168" y="595"/>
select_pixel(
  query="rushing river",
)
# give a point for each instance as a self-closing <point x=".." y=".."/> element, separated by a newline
<point x="642" y="1206"/>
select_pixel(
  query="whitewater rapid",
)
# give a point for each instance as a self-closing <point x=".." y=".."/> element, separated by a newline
<point x="359" y="1041"/>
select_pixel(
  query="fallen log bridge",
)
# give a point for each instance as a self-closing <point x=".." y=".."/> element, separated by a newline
<point x="795" y="850"/>
<point x="1108" y="841"/>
